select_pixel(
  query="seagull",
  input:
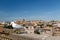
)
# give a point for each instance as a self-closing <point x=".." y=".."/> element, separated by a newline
<point x="15" y="25"/>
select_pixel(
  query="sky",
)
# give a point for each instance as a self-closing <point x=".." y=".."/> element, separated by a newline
<point x="29" y="9"/>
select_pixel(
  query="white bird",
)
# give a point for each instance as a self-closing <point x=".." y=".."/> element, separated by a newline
<point x="15" y="25"/>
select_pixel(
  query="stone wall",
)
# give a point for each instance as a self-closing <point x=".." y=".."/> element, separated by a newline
<point x="21" y="37"/>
